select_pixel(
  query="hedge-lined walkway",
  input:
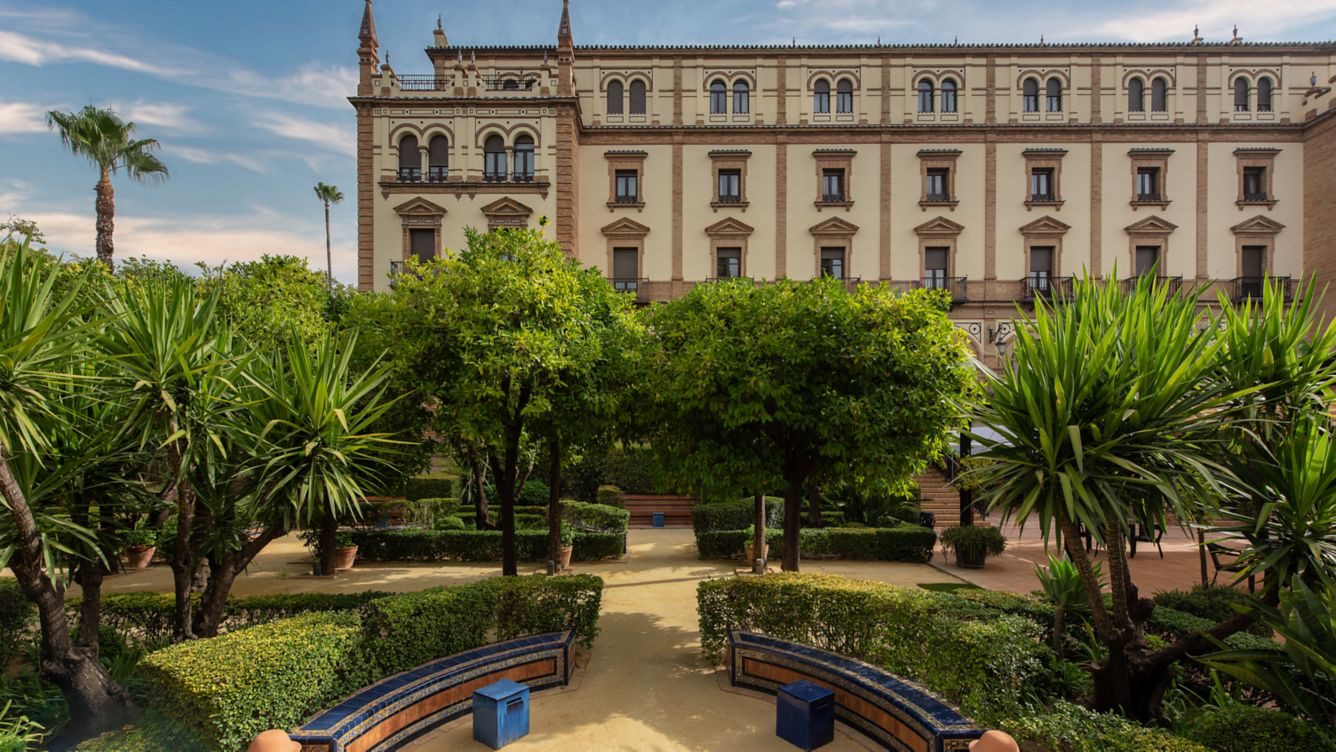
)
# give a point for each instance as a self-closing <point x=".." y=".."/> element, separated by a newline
<point x="645" y="687"/>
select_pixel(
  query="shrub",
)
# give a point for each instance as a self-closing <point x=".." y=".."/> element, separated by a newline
<point x="1072" y="728"/>
<point x="635" y="470"/>
<point x="434" y="486"/>
<point x="426" y="512"/>
<point x="974" y="543"/>
<point x="538" y="604"/>
<point x="905" y="543"/>
<point x="1246" y="728"/>
<point x="594" y="546"/>
<point x="610" y="495"/>
<point x="982" y="660"/>
<point x="1215" y="604"/>
<point x="410" y="544"/>
<point x="449" y="523"/>
<point x="403" y="631"/>
<point x="1173" y="625"/>
<point x="16" y="616"/>
<point x="232" y="687"/>
<point x="735" y="515"/>
<point x="153" y="732"/>
<point x="595" y="517"/>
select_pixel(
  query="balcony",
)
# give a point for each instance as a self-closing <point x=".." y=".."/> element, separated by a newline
<point x="937" y="198"/>
<point x="511" y="81"/>
<point x="1256" y="197"/>
<point x="428" y="82"/>
<point x="957" y="287"/>
<point x="636" y="286"/>
<point x="729" y="198"/>
<point x="1150" y="198"/>
<point x="730" y="280"/>
<point x="522" y="177"/>
<point x="495" y="177"/>
<point x="1251" y="288"/>
<point x="410" y="175"/>
<point x="1042" y="198"/>
<point x="437" y="174"/>
<point x="1048" y="288"/>
<point x="1175" y="283"/>
<point x="625" y="199"/>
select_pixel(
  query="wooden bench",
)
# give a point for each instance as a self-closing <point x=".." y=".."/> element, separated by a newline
<point x="893" y="712"/>
<point x="676" y="509"/>
<point x="392" y="711"/>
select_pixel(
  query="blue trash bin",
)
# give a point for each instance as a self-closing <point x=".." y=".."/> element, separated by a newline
<point x="805" y="715"/>
<point x="656" y="519"/>
<point x="500" y="713"/>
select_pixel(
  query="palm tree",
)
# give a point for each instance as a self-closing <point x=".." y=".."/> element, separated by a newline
<point x="329" y="194"/>
<point x="108" y="142"/>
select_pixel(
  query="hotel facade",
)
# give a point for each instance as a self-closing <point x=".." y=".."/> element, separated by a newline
<point x="998" y="172"/>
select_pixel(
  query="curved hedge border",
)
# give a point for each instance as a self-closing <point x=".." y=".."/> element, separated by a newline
<point x="415" y="544"/>
<point x="909" y="543"/>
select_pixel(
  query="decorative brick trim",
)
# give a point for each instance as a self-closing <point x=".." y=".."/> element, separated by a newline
<point x="884" y="247"/>
<point x="990" y="95"/>
<point x="1096" y="90"/>
<point x="677" y="91"/>
<point x="781" y="91"/>
<point x="677" y="210"/>
<point x="989" y="213"/>
<point x="1203" y="209"/>
<point x="567" y="187"/>
<point x="781" y="207"/>
<point x="366" y="200"/>
<point x="1096" y="209"/>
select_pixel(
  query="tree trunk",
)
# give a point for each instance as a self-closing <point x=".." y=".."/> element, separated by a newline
<point x="106" y="212"/>
<point x="96" y="702"/>
<point x="1201" y="556"/>
<point x="554" y="521"/>
<point x="478" y="476"/>
<point x="793" y="519"/>
<point x="183" y="562"/>
<point x="507" y="476"/>
<point x="813" y="505"/>
<point x="223" y="572"/>
<point x="329" y="532"/>
<point x="329" y="255"/>
<point x="1059" y="624"/>
<point x="758" y="534"/>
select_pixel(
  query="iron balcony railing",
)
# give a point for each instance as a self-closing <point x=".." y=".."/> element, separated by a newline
<point x="410" y="174"/>
<point x="1041" y="197"/>
<point x="938" y="198"/>
<point x="1148" y="197"/>
<point x="425" y="82"/>
<point x="749" y="280"/>
<point x="729" y="198"/>
<point x="437" y="174"/>
<point x="522" y="177"/>
<point x="958" y="287"/>
<point x="1255" y="196"/>
<point x="1174" y="283"/>
<point x="625" y="199"/>
<point x="832" y="198"/>
<point x="510" y="81"/>
<point x="1048" y="288"/>
<point x="1251" y="288"/>
<point x="494" y="177"/>
<point x="632" y="285"/>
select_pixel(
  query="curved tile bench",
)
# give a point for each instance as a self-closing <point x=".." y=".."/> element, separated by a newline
<point x="898" y="714"/>
<point x="396" y="709"/>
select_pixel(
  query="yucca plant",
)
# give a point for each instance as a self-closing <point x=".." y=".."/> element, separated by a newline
<point x="1061" y="584"/>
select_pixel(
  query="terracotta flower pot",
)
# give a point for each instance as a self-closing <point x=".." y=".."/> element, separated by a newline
<point x="971" y="560"/>
<point x="344" y="556"/>
<point x="566" y="552"/>
<point x="765" y="552"/>
<point x="139" y="557"/>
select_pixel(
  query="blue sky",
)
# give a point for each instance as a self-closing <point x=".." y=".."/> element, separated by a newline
<point x="248" y="97"/>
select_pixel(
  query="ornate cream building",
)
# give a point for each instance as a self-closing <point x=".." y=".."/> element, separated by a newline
<point x="996" y="171"/>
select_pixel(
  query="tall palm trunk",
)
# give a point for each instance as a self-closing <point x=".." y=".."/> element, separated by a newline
<point x="106" y="212"/>
<point x="329" y="255"/>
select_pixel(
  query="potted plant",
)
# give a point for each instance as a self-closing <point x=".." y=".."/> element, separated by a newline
<point x="140" y="545"/>
<point x="748" y="546"/>
<point x="345" y="551"/>
<point x="973" y="544"/>
<point x="567" y="545"/>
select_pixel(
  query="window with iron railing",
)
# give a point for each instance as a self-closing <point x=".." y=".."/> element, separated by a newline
<point x="437" y="174"/>
<point x="627" y="187"/>
<point x="494" y="160"/>
<point x="1148" y="184"/>
<point x="832" y="186"/>
<point x="728" y="263"/>
<point x="1041" y="184"/>
<point x="1254" y="184"/>
<point x="730" y="186"/>
<point x="410" y="174"/>
<point x="935" y="267"/>
<point x="832" y="262"/>
<point x="937" y="184"/>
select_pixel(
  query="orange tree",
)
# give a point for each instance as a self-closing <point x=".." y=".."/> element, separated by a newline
<point x="799" y="382"/>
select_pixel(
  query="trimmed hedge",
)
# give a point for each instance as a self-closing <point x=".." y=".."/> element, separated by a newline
<point x="1215" y="604"/>
<point x="909" y="543"/>
<point x="437" y="486"/>
<point x="984" y="661"/>
<point x="1246" y="728"/>
<point x="413" y="544"/>
<point x="1072" y="728"/>
<point x="270" y="676"/>
<point x="595" y="517"/>
<point x="735" y="515"/>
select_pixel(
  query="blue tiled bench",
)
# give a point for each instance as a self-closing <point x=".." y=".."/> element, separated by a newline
<point x="392" y="711"/>
<point x="898" y="714"/>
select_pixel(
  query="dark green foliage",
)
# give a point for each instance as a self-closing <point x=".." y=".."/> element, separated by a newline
<point x="974" y="543"/>
<point x="595" y="517"/>
<point x="403" y="631"/>
<point x="905" y="543"/>
<point x="735" y="515"/>
<point x="474" y="545"/>
<point x="1072" y="728"/>
<point x="230" y="688"/>
<point x="16" y="619"/>
<point x="1173" y="625"/>
<point x="635" y="470"/>
<point x="1245" y="728"/>
<point x="981" y="659"/>
<point x="610" y="495"/>
<point x="1215" y="604"/>
<point x="449" y="523"/>
<point x="438" y="486"/>
<point x="154" y="732"/>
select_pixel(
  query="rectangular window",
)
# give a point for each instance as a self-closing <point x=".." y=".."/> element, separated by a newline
<point x="1148" y="184"/>
<point x="1041" y="184"/>
<point x="832" y="262"/>
<point x="1147" y="256"/>
<point x="1041" y="268"/>
<point x="626" y="269"/>
<point x="730" y="186"/>
<point x="741" y="100"/>
<point x="936" y="187"/>
<point x="1254" y="184"/>
<point x="1253" y="261"/>
<point x="422" y="244"/>
<point x="935" y="262"/>
<point x="628" y="186"/>
<point x="728" y="264"/>
<point x="832" y="186"/>
<point x="1030" y="102"/>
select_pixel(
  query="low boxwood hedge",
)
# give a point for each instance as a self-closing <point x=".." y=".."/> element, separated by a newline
<point x="735" y="515"/>
<point x="595" y="517"/>
<point x="414" y="544"/>
<point x="1215" y="604"/>
<point x="1247" y="728"/>
<point x="1067" y="727"/>
<point x="983" y="660"/>
<point x="909" y="543"/>
<point x="434" y="486"/>
<point x="270" y="676"/>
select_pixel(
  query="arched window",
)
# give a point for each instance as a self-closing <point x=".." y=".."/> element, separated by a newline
<point x="1054" y="95"/>
<point x="741" y="98"/>
<point x="948" y="95"/>
<point x="494" y="159"/>
<point x="1241" y="94"/>
<point x="1136" y="95"/>
<point x="1264" y="94"/>
<point x="1159" y="94"/>
<point x="438" y="158"/>
<point x="718" y="98"/>
<point x="614" y="97"/>
<point x="925" y="96"/>
<point x="844" y="96"/>
<point x="410" y="160"/>
<point x="821" y="97"/>
<point x="637" y="97"/>
<point x="1030" y="95"/>
<point x="524" y="158"/>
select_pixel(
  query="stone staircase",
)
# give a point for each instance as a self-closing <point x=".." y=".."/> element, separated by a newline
<point x="939" y="497"/>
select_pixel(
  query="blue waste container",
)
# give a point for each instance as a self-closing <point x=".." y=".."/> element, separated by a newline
<point x="805" y="715"/>
<point x="500" y="713"/>
<point x="656" y="519"/>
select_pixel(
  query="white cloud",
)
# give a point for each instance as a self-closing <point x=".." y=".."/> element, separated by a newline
<point x="211" y="157"/>
<point x="333" y="138"/>
<point x="313" y="84"/>
<point x="21" y="117"/>
<point x="20" y="48"/>
<point x="158" y="114"/>
<point x="1216" y="19"/>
